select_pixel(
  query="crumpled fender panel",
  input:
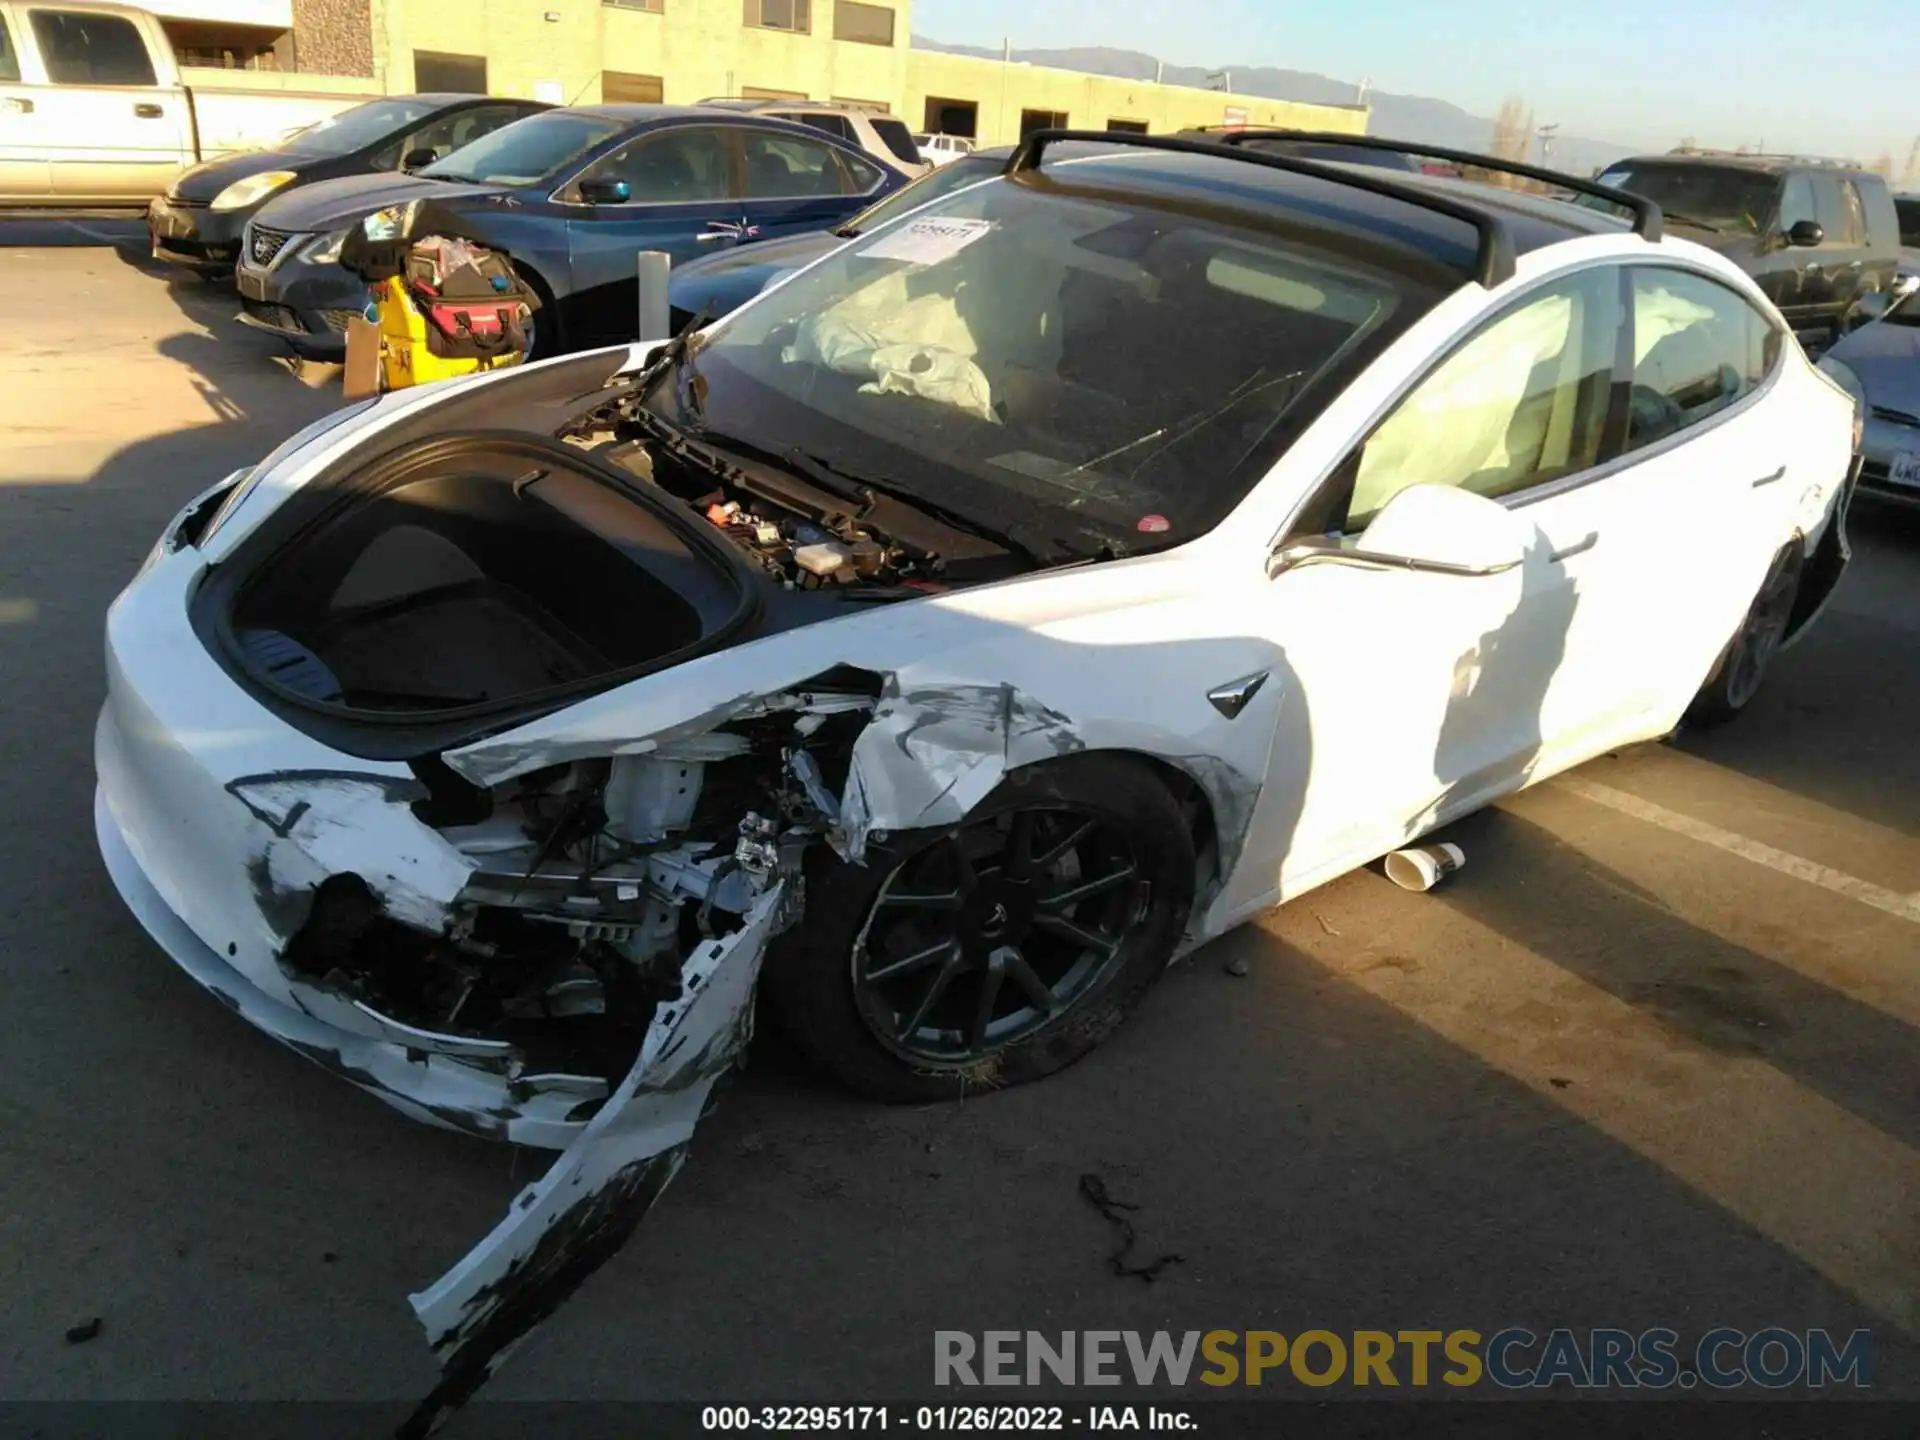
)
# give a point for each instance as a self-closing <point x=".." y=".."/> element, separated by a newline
<point x="562" y="1228"/>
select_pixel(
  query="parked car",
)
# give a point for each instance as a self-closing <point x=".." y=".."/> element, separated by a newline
<point x="872" y="130"/>
<point x="1050" y="579"/>
<point x="939" y="150"/>
<point x="1821" y="240"/>
<point x="93" y="113"/>
<point x="198" y="222"/>
<point x="571" y="195"/>
<point x="715" y="285"/>
<point x="1879" y="364"/>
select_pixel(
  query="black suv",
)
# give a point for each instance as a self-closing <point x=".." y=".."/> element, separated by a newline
<point x="1820" y="238"/>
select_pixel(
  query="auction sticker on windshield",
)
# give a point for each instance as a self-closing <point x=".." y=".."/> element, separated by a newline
<point x="1906" y="468"/>
<point x="927" y="242"/>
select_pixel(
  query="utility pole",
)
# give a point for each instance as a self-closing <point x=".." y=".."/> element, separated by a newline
<point x="1546" y="134"/>
<point x="1364" y="89"/>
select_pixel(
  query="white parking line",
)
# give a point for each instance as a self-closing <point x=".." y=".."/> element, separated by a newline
<point x="1907" y="907"/>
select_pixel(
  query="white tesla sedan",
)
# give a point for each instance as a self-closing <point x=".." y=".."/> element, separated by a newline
<point x="1016" y="597"/>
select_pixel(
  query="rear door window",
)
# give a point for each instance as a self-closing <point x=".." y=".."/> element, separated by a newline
<point x="1856" y="213"/>
<point x="87" y="48"/>
<point x="1909" y="213"/>
<point x="897" y="138"/>
<point x="781" y="167"/>
<point x="832" y="124"/>
<point x="1698" y="348"/>
<point x="1521" y="403"/>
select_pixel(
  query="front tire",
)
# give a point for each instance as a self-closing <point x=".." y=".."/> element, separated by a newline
<point x="993" y="952"/>
<point x="1744" y="666"/>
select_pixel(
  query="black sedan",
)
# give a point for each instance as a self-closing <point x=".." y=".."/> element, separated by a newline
<point x="197" y="223"/>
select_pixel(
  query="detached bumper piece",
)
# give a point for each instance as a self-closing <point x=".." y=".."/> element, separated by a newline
<point x="561" y="1229"/>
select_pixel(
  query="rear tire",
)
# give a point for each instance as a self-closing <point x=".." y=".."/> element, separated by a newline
<point x="1046" y="914"/>
<point x="1749" y="656"/>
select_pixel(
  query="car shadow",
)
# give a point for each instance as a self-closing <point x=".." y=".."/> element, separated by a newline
<point x="1716" y="991"/>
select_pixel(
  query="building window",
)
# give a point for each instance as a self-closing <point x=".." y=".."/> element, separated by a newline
<point x="619" y="88"/>
<point x="1031" y="120"/>
<point x="863" y="24"/>
<point x="759" y="92"/>
<point x="952" y="117"/>
<point x="1128" y="127"/>
<point x="653" y="6"/>
<point x="435" y="71"/>
<point x="794" y="15"/>
<point x="226" y="47"/>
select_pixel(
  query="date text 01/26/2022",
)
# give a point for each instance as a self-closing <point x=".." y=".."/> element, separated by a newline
<point x="979" y="1419"/>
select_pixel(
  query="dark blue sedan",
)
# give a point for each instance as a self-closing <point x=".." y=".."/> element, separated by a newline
<point x="571" y="196"/>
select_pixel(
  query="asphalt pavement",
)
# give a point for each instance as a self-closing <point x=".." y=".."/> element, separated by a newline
<point x="1648" y="1060"/>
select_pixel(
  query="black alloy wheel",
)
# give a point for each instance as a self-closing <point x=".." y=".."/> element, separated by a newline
<point x="980" y="940"/>
<point x="992" y="952"/>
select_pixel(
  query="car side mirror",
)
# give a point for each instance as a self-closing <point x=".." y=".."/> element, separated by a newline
<point x="415" y="159"/>
<point x="1905" y="285"/>
<point x="605" y="192"/>
<point x="1805" y="234"/>
<point x="1431" y="529"/>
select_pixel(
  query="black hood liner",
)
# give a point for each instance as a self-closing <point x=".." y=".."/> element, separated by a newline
<point x="666" y="545"/>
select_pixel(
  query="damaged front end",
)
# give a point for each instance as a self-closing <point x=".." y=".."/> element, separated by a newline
<point x="592" y="929"/>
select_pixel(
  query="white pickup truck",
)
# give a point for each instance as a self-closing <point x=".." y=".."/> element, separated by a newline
<point x="93" y="112"/>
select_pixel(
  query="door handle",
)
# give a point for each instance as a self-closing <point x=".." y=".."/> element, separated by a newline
<point x="1579" y="547"/>
<point x="21" y="107"/>
<point x="1779" y="474"/>
<point x="147" y="110"/>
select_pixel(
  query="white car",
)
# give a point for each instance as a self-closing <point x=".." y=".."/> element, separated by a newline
<point x="1010" y="601"/>
<point x="939" y="150"/>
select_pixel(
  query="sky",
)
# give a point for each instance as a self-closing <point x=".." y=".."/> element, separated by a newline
<point x="1831" y="80"/>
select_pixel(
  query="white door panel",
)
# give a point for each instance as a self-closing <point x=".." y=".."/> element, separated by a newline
<point x="114" y="143"/>
<point x="1400" y="689"/>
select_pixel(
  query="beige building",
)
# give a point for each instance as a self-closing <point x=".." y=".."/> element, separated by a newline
<point x="680" y="51"/>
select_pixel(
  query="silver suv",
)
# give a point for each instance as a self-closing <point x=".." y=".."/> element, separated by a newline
<point x="873" y="130"/>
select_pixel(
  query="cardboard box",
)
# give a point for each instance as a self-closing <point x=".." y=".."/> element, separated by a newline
<point x="362" y="377"/>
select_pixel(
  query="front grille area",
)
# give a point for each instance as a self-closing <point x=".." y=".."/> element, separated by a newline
<point x="264" y="244"/>
<point x="278" y="317"/>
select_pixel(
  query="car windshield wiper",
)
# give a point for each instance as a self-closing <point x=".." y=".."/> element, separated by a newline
<point x="1037" y="548"/>
<point x="1695" y="221"/>
<point x="676" y="358"/>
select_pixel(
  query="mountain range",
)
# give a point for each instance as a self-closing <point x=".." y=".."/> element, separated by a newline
<point x="1400" y="117"/>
